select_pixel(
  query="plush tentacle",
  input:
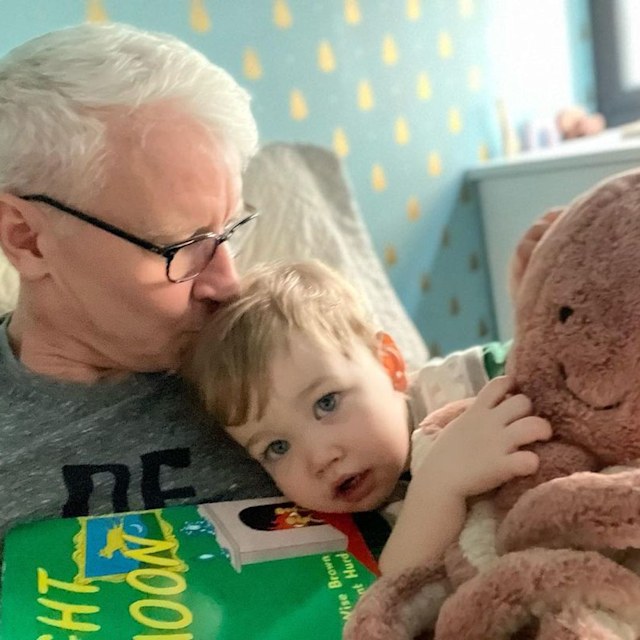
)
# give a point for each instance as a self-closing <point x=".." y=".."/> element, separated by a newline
<point x="552" y="629"/>
<point x="557" y="459"/>
<point x="583" y="511"/>
<point x="475" y="549"/>
<point x="496" y="603"/>
<point x="578" y="622"/>
<point x="399" y="607"/>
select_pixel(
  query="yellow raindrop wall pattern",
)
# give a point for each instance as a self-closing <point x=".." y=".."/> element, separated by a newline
<point x="298" y="106"/>
<point x="390" y="255"/>
<point x="390" y="53"/>
<point x="326" y="58"/>
<point x="414" y="9"/>
<point x="434" y="164"/>
<point x="423" y="88"/>
<point x="455" y="120"/>
<point x="96" y="12"/>
<point x="474" y="78"/>
<point x="402" y="135"/>
<point x="282" y="17"/>
<point x="466" y="8"/>
<point x="413" y="208"/>
<point x="251" y="64"/>
<point x="445" y="44"/>
<point x="340" y="142"/>
<point x="352" y="13"/>
<point x="365" y="96"/>
<point x="378" y="178"/>
<point x="403" y="91"/>
<point x="199" y="18"/>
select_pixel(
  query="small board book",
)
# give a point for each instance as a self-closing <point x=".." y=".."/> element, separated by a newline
<point x="259" y="569"/>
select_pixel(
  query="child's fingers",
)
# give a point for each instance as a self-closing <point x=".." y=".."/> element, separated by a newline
<point x="495" y="391"/>
<point x="512" y="409"/>
<point x="523" y="463"/>
<point x="527" y="431"/>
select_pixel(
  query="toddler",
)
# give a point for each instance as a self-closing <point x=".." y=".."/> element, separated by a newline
<point x="298" y="375"/>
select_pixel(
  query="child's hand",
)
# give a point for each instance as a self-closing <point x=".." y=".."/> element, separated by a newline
<point x="479" y="450"/>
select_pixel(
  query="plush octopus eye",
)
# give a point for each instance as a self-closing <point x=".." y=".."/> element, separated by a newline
<point x="565" y="313"/>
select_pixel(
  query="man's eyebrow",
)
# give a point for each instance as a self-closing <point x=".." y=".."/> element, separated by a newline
<point x="168" y="235"/>
<point x="162" y="238"/>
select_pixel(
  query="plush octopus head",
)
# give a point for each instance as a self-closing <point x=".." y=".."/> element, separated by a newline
<point x="576" y="350"/>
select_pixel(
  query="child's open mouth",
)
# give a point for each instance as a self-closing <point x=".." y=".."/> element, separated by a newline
<point x="355" y="487"/>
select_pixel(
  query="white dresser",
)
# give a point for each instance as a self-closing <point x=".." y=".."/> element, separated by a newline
<point x="514" y="193"/>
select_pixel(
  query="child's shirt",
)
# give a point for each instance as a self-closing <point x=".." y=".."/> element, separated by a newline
<point x="459" y="375"/>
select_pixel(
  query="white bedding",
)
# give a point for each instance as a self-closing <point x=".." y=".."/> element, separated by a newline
<point x="8" y="285"/>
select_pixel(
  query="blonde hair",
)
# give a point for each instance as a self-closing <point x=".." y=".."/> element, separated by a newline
<point x="229" y="364"/>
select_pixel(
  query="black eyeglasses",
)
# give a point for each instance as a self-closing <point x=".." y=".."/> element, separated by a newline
<point x="186" y="259"/>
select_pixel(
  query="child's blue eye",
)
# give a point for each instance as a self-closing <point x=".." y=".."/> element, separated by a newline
<point x="276" y="449"/>
<point x="327" y="404"/>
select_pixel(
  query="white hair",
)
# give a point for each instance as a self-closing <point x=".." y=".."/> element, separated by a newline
<point x="57" y="90"/>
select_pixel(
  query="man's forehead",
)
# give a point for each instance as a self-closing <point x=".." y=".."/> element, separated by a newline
<point x="164" y="145"/>
<point x="169" y="227"/>
<point x="210" y="217"/>
<point x="169" y="186"/>
<point x="153" y="122"/>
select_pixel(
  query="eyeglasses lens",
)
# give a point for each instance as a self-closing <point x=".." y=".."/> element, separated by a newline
<point x="189" y="261"/>
<point x="238" y="237"/>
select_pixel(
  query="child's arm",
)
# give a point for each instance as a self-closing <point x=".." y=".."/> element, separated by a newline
<point x="476" y="452"/>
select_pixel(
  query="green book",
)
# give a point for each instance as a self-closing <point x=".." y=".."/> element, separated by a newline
<point x="259" y="569"/>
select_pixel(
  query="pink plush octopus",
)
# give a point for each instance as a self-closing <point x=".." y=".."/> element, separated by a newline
<point x="555" y="556"/>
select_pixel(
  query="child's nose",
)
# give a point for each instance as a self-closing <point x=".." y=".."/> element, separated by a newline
<point x="323" y="456"/>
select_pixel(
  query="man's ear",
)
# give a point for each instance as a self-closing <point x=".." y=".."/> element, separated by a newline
<point x="392" y="360"/>
<point x="20" y="226"/>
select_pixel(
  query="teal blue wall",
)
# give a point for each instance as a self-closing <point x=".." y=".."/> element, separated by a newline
<point x="433" y="70"/>
<point x="581" y="47"/>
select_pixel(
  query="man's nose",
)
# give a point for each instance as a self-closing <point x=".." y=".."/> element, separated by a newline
<point x="219" y="279"/>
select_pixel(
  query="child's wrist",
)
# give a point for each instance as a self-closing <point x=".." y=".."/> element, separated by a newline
<point x="429" y="480"/>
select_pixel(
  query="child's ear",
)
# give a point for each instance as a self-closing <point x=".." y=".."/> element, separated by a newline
<point x="392" y="360"/>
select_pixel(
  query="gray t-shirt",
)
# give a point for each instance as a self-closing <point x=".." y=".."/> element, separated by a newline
<point x="69" y="449"/>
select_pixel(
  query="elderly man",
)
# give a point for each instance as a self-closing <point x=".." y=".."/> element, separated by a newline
<point x="121" y="154"/>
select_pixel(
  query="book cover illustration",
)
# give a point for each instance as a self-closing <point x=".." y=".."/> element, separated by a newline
<point x="260" y="531"/>
<point x="207" y="572"/>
